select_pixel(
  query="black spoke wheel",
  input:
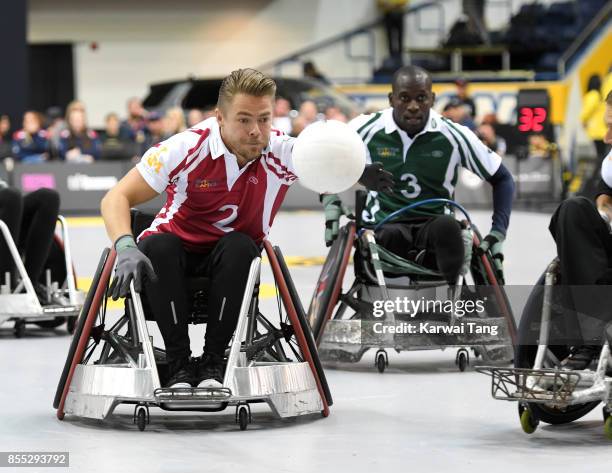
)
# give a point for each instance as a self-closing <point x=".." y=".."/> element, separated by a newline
<point x="525" y="354"/>
<point x="310" y="341"/>
<point x="80" y="323"/>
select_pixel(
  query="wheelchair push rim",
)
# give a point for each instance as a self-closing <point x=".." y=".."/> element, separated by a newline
<point x="85" y="323"/>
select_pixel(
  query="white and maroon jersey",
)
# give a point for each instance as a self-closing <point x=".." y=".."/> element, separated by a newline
<point x="208" y="195"/>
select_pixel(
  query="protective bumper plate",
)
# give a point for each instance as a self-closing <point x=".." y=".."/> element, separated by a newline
<point x="18" y="305"/>
<point x="96" y="389"/>
<point x="289" y="388"/>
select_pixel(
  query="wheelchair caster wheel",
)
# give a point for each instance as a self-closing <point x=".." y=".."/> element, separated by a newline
<point x="243" y="416"/>
<point x="71" y="324"/>
<point x="141" y="416"/>
<point x="381" y="361"/>
<point x="20" y="327"/>
<point x="608" y="428"/>
<point x="529" y="423"/>
<point x="463" y="359"/>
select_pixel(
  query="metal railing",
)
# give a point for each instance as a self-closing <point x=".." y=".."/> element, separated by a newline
<point x="346" y="37"/>
<point x="601" y="19"/>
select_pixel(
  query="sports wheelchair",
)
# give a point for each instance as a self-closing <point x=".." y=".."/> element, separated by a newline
<point x="19" y="302"/>
<point x="343" y="323"/>
<point x="546" y="391"/>
<point x="269" y="360"/>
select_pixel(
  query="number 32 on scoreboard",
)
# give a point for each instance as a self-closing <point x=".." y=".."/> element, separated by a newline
<point x="532" y="119"/>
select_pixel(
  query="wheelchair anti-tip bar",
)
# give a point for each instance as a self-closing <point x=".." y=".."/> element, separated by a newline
<point x="25" y="279"/>
<point x="68" y="261"/>
<point x="452" y="203"/>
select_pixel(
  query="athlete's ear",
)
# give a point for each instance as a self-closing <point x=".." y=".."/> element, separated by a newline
<point x="390" y="99"/>
<point x="433" y="97"/>
<point x="219" y="116"/>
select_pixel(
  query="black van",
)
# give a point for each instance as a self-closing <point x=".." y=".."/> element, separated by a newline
<point x="203" y="94"/>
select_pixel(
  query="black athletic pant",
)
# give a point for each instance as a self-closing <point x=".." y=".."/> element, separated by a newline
<point x="584" y="247"/>
<point x="31" y="220"/>
<point x="227" y="266"/>
<point x="439" y="236"/>
<point x="589" y="189"/>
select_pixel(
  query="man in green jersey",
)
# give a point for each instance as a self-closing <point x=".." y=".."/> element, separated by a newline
<point x="414" y="154"/>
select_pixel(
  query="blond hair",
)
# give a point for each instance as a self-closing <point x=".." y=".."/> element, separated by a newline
<point x="245" y="81"/>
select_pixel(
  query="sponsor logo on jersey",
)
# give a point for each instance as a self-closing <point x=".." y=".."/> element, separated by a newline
<point x="153" y="159"/>
<point x="206" y="183"/>
<point x="386" y="152"/>
<point x="437" y="153"/>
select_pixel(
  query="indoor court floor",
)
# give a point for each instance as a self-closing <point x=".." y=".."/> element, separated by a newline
<point x="422" y="414"/>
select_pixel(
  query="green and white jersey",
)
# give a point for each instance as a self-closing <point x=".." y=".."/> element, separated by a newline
<point x="423" y="167"/>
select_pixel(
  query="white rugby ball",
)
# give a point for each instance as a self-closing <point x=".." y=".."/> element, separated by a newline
<point x="328" y="157"/>
<point x="606" y="169"/>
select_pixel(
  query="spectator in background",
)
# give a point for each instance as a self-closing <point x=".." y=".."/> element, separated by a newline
<point x="174" y="121"/>
<point x="538" y="146"/>
<point x="334" y="113"/>
<point x="55" y="125"/>
<point x="154" y="132"/>
<point x="5" y="129"/>
<point x="456" y="112"/>
<point x="5" y="136"/>
<point x="486" y="133"/>
<point x="307" y="114"/>
<point x="133" y="126"/>
<point x="194" y="116"/>
<point x="59" y="124"/>
<point x="592" y="118"/>
<point x="461" y="96"/>
<point x="311" y="72"/>
<point x="79" y="144"/>
<point x="282" y="120"/>
<point x="393" y="18"/>
<point x="30" y="144"/>
<point x="116" y="144"/>
<point x="208" y="111"/>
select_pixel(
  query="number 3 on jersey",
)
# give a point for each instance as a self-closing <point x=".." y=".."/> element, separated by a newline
<point x="413" y="189"/>
<point x="224" y="222"/>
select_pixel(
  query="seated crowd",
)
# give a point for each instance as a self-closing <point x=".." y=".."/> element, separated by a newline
<point x="68" y="137"/>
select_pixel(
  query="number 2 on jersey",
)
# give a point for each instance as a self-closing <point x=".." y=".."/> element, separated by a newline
<point x="222" y="224"/>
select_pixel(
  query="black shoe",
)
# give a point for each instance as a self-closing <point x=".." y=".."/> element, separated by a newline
<point x="41" y="293"/>
<point x="181" y="374"/>
<point x="608" y="334"/>
<point x="209" y="371"/>
<point x="580" y="357"/>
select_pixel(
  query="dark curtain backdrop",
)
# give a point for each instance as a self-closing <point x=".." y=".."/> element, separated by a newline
<point x="14" y="69"/>
<point x="51" y="76"/>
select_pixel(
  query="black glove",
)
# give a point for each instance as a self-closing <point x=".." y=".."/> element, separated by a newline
<point x="493" y="242"/>
<point x="131" y="264"/>
<point x="375" y="178"/>
<point x="334" y="209"/>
